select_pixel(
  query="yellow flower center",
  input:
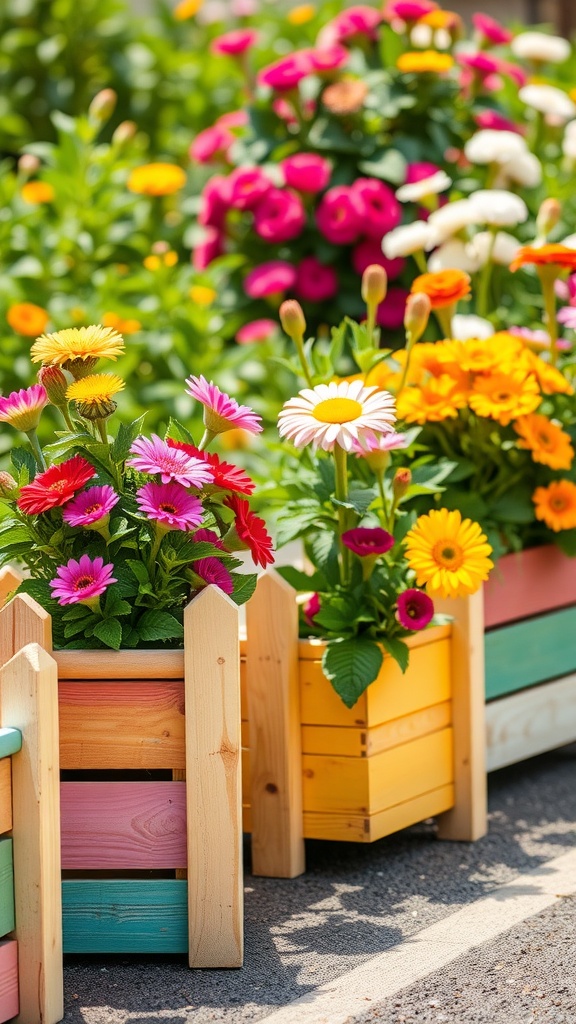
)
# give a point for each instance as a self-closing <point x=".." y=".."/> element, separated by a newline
<point x="448" y="555"/>
<point x="92" y="508"/>
<point x="337" y="410"/>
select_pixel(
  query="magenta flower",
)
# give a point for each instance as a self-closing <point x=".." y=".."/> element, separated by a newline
<point x="211" y="144"/>
<point x="408" y="10"/>
<point x="311" y="609"/>
<point x="315" y="282"/>
<point x="270" y="278"/>
<point x="380" y="443"/>
<point x="368" y="252"/>
<point x="482" y="64"/>
<point x="279" y="216"/>
<point x="153" y="455"/>
<point x="419" y="171"/>
<point x="286" y="73"/>
<point x="340" y="215"/>
<point x="306" y="172"/>
<point x="497" y="122"/>
<point x="208" y="249"/>
<point x="515" y="72"/>
<point x="234" y="43"/>
<point x="22" y="409"/>
<point x="170" y="505"/>
<point x="82" y="581"/>
<point x="367" y="540"/>
<point x="255" y="331"/>
<point x="89" y="507"/>
<point x="216" y="201"/>
<point x="211" y="570"/>
<point x="415" y="609"/>
<point x="490" y="30"/>
<point x="391" y="312"/>
<point x="346" y="27"/>
<point x="567" y="316"/>
<point x="233" y="119"/>
<point x="210" y="535"/>
<point x="221" y="412"/>
<point x="328" y="58"/>
<point x="247" y="187"/>
<point x="381" y="211"/>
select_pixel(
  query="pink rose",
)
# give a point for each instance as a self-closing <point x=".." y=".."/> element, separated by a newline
<point x="408" y="10"/>
<point x="328" y="58"/>
<point x="315" y="282"/>
<point x="356" y="21"/>
<point x="248" y="186"/>
<point x="234" y="119"/>
<point x="211" y="144"/>
<point x="306" y="172"/>
<point x="256" y="330"/>
<point x="391" y="311"/>
<point x="287" y="72"/>
<point x="211" y="246"/>
<point x="420" y="171"/>
<point x="381" y="209"/>
<point x="279" y="216"/>
<point x="269" y="279"/>
<point x="497" y="122"/>
<point x="490" y="29"/>
<point x="368" y="252"/>
<point x="235" y="43"/>
<point x="215" y="201"/>
<point x="340" y="215"/>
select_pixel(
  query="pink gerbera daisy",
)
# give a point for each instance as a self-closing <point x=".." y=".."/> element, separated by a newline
<point x="153" y="455"/>
<point x="21" y="409"/>
<point x="82" y="581"/>
<point x="90" y="507"/>
<point x="220" y="411"/>
<point x="171" y="505"/>
<point x="211" y="570"/>
<point x="415" y="609"/>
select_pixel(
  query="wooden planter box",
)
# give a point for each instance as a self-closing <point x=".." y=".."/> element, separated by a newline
<point x="150" y="864"/>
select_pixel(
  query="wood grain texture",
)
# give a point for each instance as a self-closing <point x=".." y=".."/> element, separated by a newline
<point x="274" y="716"/>
<point x="5" y="795"/>
<point x="28" y="686"/>
<point x="125" y="916"/>
<point x="528" y="583"/>
<point x="532" y="721"/>
<point x="122" y="664"/>
<point x="8" y="980"/>
<point x="23" y="621"/>
<point x="214" y="800"/>
<point x="123" y="825"/>
<point x="369" y="828"/>
<point x="10" y="580"/>
<point x="530" y="652"/>
<point x="6" y="886"/>
<point x="115" y="724"/>
<point x="318" y="739"/>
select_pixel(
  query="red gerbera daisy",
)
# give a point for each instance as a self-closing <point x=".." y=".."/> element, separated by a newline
<point x="251" y="531"/>
<point x="55" y="486"/>
<point x="226" y="476"/>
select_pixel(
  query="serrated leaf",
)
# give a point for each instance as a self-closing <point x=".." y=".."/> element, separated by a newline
<point x="23" y="459"/>
<point x="109" y="631"/>
<point x="127" y="434"/>
<point x="158" y="625"/>
<point x="178" y="432"/>
<point x="294" y="524"/>
<point x="244" y="586"/>
<point x="351" y="665"/>
<point x="139" y="570"/>
<point x="359" y="499"/>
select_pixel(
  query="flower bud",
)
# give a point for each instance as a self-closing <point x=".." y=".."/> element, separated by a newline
<point x="124" y="132"/>
<point x="28" y="164"/>
<point x="548" y="216"/>
<point x="160" y="248"/>
<point x="374" y="285"/>
<point x="52" y="378"/>
<point x="416" y="316"/>
<point x="7" y="484"/>
<point x="292" y="319"/>
<point x="401" y="483"/>
<point x="102" y="106"/>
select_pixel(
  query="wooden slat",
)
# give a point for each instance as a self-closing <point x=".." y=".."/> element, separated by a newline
<point x="123" y="825"/>
<point x="125" y="916"/>
<point x="318" y="739"/>
<point x="274" y="716"/>
<point x="311" y="650"/>
<point x="10" y="741"/>
<point x="530" y="652"/>
<point x="28" y="685"/>
<point x="529" y="583"/>
<point x="5" y="795"/>
<point x="6" y="886"/>
<point x="120" y="664"/>
<point x="214" y="798"/>
<point x="530" y="722"/>
<point x="116" y="724"/>
<point x="8" y="980"/>
<point x="368" y="828"/>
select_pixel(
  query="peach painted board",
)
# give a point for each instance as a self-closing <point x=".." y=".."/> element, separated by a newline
<point x="527" y="583"/>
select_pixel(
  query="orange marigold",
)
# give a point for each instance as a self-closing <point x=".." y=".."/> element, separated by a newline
<point x="544" y="255"/>
<point x="441" y="19"/>
<point x="120" y="324"/>
<point x="424" y="61"/>
<point x="556" y="505"/>
<point x="187" y="9"/>
<point x="547" y="442"/>
<point x="301" y="15"/>
<point x="36" y="192"/>
<point x="27" y="318"/>
<point x="443" y="288"/>
<point x="439" y="399"/>
<point x="156" y="179"/>
<point x="505" y="396"/>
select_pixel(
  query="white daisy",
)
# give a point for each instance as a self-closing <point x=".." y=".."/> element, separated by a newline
<point x="431" y="186"/>
<point x="344" y="413"/>
<point x="539" y="46"/>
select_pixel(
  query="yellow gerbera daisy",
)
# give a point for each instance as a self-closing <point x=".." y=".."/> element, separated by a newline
<point x="82" y="343"/>
<point x="556" y="505"/>
<point x="424" y="61"/>
<point x="157" y="179"/>
<point x="546" y="441"/>
<point x="187" y="9"/>
<point x="36" y="192"/>
<point x="93" y="395"/>
<point x="487" y="355"/>
<point x="449" y="555"/>
<point x="301" y="15"/>
<point x="439" y="399"/>
<point x="550" y="380"/>
<point x="505" y="396"/>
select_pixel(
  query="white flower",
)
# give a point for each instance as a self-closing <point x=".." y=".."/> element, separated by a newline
<point x="498" y="207"/>
<point x="569" y="141"/>
<point x="450" y="219"/>
<point x="408" y="238"/>
<point x="344" y="413"/>
<point x="454" y="255"/>
<point x="431" y="186"/>
<point x="569" y="242"/>
<point x="467" y="325"/>
<point x="442" y="39"/>
<point x="540" y="47"/>
<point x="548" y="100"/>
<point x="501" y="248"/>
<point x="525" y="169"/>
<point x="489" y="146"/>
<point x="421" y="36"/>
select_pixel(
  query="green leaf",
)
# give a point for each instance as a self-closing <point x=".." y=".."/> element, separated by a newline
<point x="127" y="434"/>
<point x="178" y="432"/>
<point x="359" y="499"/>
<point x="351" y="665"/>
<point x="295" y="523"/>
<point x="398" y="650"/>
<point x="244" y="586"/>
<point x="389" y="165"/>
<point x="301" y="581"/>
<point x="139" y="570"/>
<point x="514" y="507"/>
<point x="154" y="625"/>
<point x="566" y="541"/>
<point x="109" y="631"/>
<point x="23" y="459"/>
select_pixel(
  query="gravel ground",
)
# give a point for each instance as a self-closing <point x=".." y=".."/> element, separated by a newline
<point x="353" y="902"/>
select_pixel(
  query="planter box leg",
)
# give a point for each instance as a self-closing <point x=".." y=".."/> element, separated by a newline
<point x="29" y="694"/>
<point x="467" y="820"/>
<point x="275" y="730"/>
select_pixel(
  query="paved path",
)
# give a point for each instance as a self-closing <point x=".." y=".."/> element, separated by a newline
<point x="361" y="908"/>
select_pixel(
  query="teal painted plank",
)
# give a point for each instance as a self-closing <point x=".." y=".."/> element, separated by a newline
<point x="530" y="652"/>
<point x="125" y="915"/>
<point x="6" y="887"/>
<point x="10" y="742"/>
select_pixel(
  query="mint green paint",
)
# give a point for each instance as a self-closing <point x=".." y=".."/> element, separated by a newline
<point x="125" y="915"/>
<point x="10" y="742"/>
<point x="6" y="887"/>
<point x="530" y="652"/>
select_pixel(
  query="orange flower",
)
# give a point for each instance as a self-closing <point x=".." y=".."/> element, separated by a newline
<point x="187" y="9"/>
<point x="443" y="288"/>
<point x="439" y="399"/>
<point x="556" y="505"/>
<point x="166" y="259"/>
<point x="120" y="325"/>
<point x="547" y="443"/>
<point x="35" y="192"/>
<point x="202" y="295"/>
<point x="345" y="97"/>
<point x="544" y="255"/>
<point x="505" y="396"/>
<point x="424" y="61"/>
<point x="28" y="319"/>
<point x="441" y="19"/>
<point x="157" y="179"/>
<point x="301" y="15"/>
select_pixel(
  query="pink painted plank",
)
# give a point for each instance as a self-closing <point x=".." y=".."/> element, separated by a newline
<point x="528" y="583"/>
<point x="123" y="825"/>
<point x="9" y="1005"/>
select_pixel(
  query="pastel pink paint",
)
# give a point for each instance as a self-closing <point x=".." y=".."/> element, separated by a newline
<point x="527" y="583"/>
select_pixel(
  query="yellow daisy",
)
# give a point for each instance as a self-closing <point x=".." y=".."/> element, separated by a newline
<point x="546" y="441"/>
<point x="449" y="555"/>
<point x="505" y="396"/>
<point x="157" y="179"/>
<point x="93" y="394"/>
<point x="77" y="343"/>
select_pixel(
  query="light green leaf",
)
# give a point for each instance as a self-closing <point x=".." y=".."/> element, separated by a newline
<point x="351" y="665"/>
<point x="153" y="625"/>
<point x="109" y="631"/>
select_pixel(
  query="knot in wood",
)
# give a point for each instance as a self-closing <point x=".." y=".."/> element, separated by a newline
<point x="270" y="787"/>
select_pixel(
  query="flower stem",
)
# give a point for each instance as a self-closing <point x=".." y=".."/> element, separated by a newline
<point x="444" y="317"/>
<point x="158" y="537"/>
<point x="101" y="425"/>
<point x="340" y="467"/>
<point x="299" y="342"/>
<point x="420" y="260"/>
<point x="547" y="279"/>
<point x="67" y="418"/>
<point x="36" y="449"/>
<point x="385" y="511"/>
<point x="207" y="437"/>
<point x="485" y="277"/>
